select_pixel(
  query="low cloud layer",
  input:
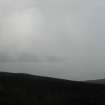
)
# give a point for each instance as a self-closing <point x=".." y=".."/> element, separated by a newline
<point x="70" y="31"/>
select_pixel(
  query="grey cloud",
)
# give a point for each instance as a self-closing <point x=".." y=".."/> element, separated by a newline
<point x="71" y="31"/>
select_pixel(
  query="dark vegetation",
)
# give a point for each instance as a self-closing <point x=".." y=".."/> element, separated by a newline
<point x="97" y="81"/>
<point x="25" y="89"/>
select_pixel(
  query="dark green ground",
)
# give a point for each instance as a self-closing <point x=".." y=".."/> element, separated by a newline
<point x="25" y="89"/>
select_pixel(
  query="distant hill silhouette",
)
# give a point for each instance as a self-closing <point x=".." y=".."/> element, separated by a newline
<point x="26" y="89"/>
<point x="97" y="81"/>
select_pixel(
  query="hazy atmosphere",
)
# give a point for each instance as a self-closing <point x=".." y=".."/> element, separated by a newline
<point x="56" y="38"/>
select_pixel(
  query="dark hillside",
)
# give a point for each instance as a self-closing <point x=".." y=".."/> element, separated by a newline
<point x="26" y="89"/>
<point x="97" y="81"/>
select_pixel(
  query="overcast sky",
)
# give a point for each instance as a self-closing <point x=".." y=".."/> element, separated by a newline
<point x="61" y="38"/>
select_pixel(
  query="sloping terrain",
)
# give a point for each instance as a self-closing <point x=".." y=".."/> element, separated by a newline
<point x="26" y="89"/>
<point x="97" y="81"/>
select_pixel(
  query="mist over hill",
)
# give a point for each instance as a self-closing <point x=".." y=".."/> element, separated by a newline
<point x="28" y="57"/>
